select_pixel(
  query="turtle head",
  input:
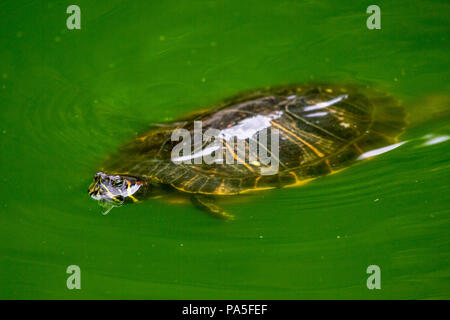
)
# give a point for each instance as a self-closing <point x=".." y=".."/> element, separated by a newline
<point x="114" y="189"/>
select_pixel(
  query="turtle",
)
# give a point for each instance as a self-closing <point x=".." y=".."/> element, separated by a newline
<point x="322" y="128"/>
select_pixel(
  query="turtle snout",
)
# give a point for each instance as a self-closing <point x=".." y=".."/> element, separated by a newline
<point x="97" y="190"/>
<point x="94" y="190"/>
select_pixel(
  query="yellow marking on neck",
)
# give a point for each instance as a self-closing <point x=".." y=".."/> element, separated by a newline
<point x="128" y="186"/>
<point x="108" y="192"/>
<point x="133" y="198"/>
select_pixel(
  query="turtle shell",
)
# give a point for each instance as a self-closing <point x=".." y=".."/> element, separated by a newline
<point x="322" y="129"/>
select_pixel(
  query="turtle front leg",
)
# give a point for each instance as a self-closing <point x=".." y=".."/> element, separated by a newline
<point x="206" y="204"/>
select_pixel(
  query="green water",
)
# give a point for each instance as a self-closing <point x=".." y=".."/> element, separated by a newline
<point x="69" y="98"/>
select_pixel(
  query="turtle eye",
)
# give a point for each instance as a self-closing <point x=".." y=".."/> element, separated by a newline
<point x="117" y="184"/>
